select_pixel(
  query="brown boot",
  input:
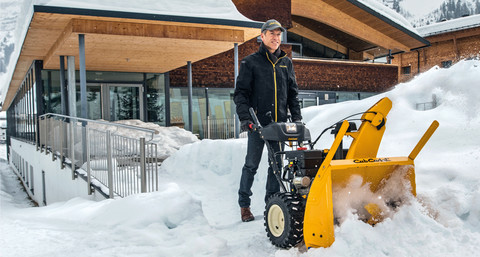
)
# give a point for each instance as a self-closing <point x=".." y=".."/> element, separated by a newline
<point x="246" y="214"/>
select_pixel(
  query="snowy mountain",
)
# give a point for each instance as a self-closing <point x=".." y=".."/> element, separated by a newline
<point x="425" y="12"/>
<point x="450" y="9"/>
<point x="9" y="11"/>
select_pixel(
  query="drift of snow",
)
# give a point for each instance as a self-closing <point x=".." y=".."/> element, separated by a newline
<point x="195" y="212"/>
<point x="168" y="139"/>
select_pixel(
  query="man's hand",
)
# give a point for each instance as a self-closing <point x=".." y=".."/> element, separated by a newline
<point x="246" y="125"/>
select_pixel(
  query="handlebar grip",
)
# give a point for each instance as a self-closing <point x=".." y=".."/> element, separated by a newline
<point x="254" y="117"/>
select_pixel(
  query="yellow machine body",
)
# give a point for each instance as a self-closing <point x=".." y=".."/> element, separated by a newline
<point x="361" y="161"/>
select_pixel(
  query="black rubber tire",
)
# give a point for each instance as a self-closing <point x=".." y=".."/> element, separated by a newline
<point x="284" y="219"/>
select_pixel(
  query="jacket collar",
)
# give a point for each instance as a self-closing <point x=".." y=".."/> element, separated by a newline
<point x="274" y="57"/>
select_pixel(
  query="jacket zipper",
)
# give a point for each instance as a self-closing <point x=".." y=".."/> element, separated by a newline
<point x="275" y="80"/>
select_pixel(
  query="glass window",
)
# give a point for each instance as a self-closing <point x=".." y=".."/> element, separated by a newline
<point x="220" y="107"/>
<point x="446" y="64"/>
<point x="156" y="98"/>
<point x="112" y="77"/>
<point x="406" y="70"/>
<point x="51" y="91"/>
<point x="124" y="102"/>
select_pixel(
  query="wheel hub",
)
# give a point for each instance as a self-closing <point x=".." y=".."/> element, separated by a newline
<point x="276" y="220"/>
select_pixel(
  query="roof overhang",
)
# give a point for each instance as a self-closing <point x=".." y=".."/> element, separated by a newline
<point x="124" y="41"/>
<point x="352" y="25"/>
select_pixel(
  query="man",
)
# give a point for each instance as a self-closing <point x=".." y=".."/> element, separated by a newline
<point x="266" y="83"/>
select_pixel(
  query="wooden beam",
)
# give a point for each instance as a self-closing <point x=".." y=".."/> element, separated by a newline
<point x="325" y="13"/>
<point x="156" y="30"/>
<point x="303" y="31"/>
<point x="360" y="56"/>
<point x="455" y="47"/>
<point x="67" y="32"/>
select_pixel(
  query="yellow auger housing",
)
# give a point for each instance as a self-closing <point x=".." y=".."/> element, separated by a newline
<point x="361" y="160"/>
<point x="306" y="210"/>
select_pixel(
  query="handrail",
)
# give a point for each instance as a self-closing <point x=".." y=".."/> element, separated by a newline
<point x="153" y="131"/>
<point x="125" y="164"/>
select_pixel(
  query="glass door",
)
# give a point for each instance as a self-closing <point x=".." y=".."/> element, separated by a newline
<point x="125" y="102"/>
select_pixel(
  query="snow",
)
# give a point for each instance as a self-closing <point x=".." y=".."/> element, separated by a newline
<point x="451" y="25"/>
<point x="195" y="213"/>
<point x="215" y="9"/>
<point x="389" y="14"/>
<point x="169" y="139"/>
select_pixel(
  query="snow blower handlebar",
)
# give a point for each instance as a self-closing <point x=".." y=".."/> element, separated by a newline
<point x="256" y="124"/>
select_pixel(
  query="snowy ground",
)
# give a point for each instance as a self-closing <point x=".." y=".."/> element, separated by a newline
<point x="196" y="212"/>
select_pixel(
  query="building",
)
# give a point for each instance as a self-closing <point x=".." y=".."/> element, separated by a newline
<point x="450" y="41"/>
<point x="78" y="65"/>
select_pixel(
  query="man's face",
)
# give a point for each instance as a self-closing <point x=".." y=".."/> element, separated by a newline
<point x="272" y="39"/>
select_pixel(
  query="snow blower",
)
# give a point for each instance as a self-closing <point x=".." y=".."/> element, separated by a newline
<point x="312" y="182"/>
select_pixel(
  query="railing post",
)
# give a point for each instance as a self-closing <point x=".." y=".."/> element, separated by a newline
<point x="89" y="177"/>
<point x="109" y="165"/>
<point x="72" y="146"/>
<point x="208" y="127"/>
<point x="52" y="148"/>
<point x="143" y="175"/>
<point x="39" y="132"/>
<point x="47" y="123"/>
<point x="61" y="143"/>
<point x="156" y="166"/>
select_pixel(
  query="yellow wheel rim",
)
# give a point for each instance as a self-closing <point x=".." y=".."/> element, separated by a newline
<point x="276" y="220"/>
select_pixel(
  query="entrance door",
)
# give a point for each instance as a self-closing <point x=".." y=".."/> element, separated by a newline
<point x="125" y="102"/>
<point x="114" y="102"/>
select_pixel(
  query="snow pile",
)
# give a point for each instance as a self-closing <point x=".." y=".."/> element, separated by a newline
<point x="168" y="139"/>
<point x="196" y="212"/>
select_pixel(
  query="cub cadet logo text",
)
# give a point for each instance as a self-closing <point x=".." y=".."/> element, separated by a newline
<point x="371" y="160"/>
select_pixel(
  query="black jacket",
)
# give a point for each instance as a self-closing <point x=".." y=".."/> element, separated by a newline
<point x="267" y="85"/>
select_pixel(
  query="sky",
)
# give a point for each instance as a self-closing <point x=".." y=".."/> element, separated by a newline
<point x="195" y="212"/>
<point x="420" y="8"/>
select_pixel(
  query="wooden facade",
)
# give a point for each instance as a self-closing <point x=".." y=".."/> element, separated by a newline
<point x="446" y="49"/>
<point x="324" y="75"/>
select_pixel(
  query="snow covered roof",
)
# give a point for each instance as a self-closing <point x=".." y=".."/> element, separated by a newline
<point x="387" y="14"/>
<point x="213" y="9"/>
<point x="450" y="26"/>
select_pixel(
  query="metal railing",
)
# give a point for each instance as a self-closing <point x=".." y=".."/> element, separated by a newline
<point x="219" y="128"/>
<point x="116" y="158"/>
<point x="427" y="105"/>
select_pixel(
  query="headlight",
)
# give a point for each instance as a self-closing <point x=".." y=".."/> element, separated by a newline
<point x="291" y="127"/>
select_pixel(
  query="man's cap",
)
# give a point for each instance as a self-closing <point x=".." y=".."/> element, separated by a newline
<point x="271" y="25"/>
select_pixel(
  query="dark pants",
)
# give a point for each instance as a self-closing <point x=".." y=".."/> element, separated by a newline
<point x="252" y="160"/>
